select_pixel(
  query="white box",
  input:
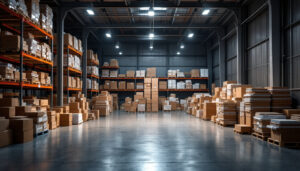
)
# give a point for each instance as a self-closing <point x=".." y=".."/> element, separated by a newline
<point x="167" y="108"/>
<point x="77" y="118"/>
<point x="171" y="84"/>
<point x="141" y="108"/>
<point x="203" y="72"/>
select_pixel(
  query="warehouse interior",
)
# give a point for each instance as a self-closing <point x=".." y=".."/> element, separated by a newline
<point x="149" y="84"/>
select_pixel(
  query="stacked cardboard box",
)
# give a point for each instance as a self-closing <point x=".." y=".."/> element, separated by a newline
<point x="209" y="110"/>
<point x="284" y="132"/>
<point x="262" y="120"/>
<point x="5" y="132"/>
<point x="92" y="58"/>
<point x="46" y="18"/>
<point x="289" y="112"/>
<point x="227" y="113"/>
<point x="130" y="74"/>
<point x="256" y="100"/>
<point x="40" y="121"/>
<point x="163" y="85"/>
<point x="83" y="104"/>
<point x="154" y="95"/>
<point x="147" y="93"/>
<point x="122" y="85"/>
<point x="103" y="103"/>
<point x="7" y="107"/>
<point x="114" y="63"/>
<point x="140" y="73"/>
<point x="105" y="73"/>
<point x="280" y="98"/>
<point x="115" y="101"/>
<point x="52" y="119"/>
<point x="130" y="85"/>
<point x="66" y="119"/>
<point x="33" y="7"/>
<point x="113" y="73"/>
<point x="93" y="70"/>
<point x="195" y="73"/>
<point x="139" y="85"/>
<point x="127" y="104"/>
<point x="22" y="129"/>
<point x="151" y="72"/>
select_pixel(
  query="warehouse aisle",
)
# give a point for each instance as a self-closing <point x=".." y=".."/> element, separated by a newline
<point x="161" y="141"/>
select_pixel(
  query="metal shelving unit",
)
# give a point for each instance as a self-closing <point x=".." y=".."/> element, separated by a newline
<point x="20" y="24"/>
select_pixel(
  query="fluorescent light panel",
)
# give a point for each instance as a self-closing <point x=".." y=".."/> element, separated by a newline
<point x="190" y="35"/>
<point x="206" y="12"/>
<point x="181" y="46"/>
<point x="155" y="8"/>
<point x="117" y="46"/>
<point x="108" y="35"/>
<point x="90" y="12"/>
<point x="178" y="53"/>
<point x="120" y="53"/>
<point x="151" y="35"/>
<point x="151" y="13"/>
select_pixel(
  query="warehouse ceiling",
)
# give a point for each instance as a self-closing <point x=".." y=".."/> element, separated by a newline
<point x="126" y="20"/>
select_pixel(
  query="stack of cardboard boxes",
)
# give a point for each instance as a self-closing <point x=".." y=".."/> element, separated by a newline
<point x="147" y="93"/>
<point x="92" y="58"/>
<point x="227" y="113"/>
<point x="154" y="95"/>
<point x="103" y="103"/>
<point x="280" y="98"/>
<point x="5" y="132"/>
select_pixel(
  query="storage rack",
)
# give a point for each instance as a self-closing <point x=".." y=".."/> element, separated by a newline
<point x="20" y="24"/>
<point x="92" y="76"/>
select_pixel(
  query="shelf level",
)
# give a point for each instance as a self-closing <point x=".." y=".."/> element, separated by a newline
<point x="95" y="91"/>
<point x="110" y="67"/>
<point x="74" y="89"/>
<point x="73" y="51"/>
<point x="93" y="76"/>
<point x="184" y="90"/>
<point x="198" y="78"/>
<point x="122" y="90"/>
<point x="120" y="78"/>
<point x="12" y="21"/>
<point x="25" y="85"/>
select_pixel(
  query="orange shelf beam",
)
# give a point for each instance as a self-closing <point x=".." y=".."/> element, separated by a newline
<point x="110" y="67"/>
<point x="120" y="78"/>
<point x="96" y="91"/>
<point x="74" y="89"/>
<point x="93" y="76"/>
<point x="74" y="70"/>
<point x="185" y="90"/>
<point x="74" y="51"/>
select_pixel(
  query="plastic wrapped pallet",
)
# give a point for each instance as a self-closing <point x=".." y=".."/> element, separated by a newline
<point x="203" y="72"/>
<point x="172" y="73"/>
<point x="48" y="21"/>
<point x="105" y="73"/>
<point x="171" y="84"/>
<point x="196" y="86"/>
<point x="22" y="8"/>
<point x="113" y="73"/>
<point x="33" y="7"/>
<point x="77" y="118"/>
<point x="140" y="73"/>
<point x="12" y="4"/>
<point x="180" y="85"/>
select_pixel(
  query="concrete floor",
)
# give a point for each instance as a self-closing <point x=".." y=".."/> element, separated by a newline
<point x="164" y="141"/>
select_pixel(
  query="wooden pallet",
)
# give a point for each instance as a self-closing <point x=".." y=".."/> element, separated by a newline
<point x="284" y="144"/>
<point x="221" y="123"/>
<point x="261" y="136"/>
<point x="42" y="133"/>
<point x="241" y="132"/>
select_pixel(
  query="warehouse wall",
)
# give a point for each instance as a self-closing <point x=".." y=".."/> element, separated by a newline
<point x="163" y="57"/>
<point x="291" y="50"/>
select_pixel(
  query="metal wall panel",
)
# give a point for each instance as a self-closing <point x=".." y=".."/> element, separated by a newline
<point x="258" y="51"/>
<point x="231" y="54"/>
<point x="216" y="68"/>
<point x="291" y="51"/>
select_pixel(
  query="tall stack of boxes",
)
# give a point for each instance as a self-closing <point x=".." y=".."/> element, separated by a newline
<point x="154" y="97"/>
<point x="147" y="93"/>
<point x="103" y="103"/>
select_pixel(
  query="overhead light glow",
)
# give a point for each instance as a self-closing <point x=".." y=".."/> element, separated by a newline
<point x="117" y="46"/>
<point x="151" y="47"/>
<point x="181" y="46"/>
<point x="108" y="35"/>
<point x="144" y="8"/>
<point x="151" y="13"/>
<point x="160" y="8"/>
<point x="90" y="12"/>
<point x="120" y="53"/>
<point x="151" y="35"/>
<point x="190" y="35"/>
<point x="206" y="12"/>
<point x="178" y="53"/>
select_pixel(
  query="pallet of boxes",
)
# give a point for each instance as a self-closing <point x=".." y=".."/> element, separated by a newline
<point x="103" y="103"/>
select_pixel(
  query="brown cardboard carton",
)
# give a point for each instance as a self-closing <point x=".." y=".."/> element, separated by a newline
<point x="122" y="85"/>
<point x="163" y="85"/>
<point x="23" y="136"/>
<point x="130" y="74"/>
<point x="75" y="107"/>
<point x="113" y="85"/>
<point x="44" y="102"/>
<point x="22" y="124"/>
<point x="5" y="138"/>
<point x="68" y="39"/>
<point x="106" y="84"/>
<point x="195" y="73"/>
<point x="147" y="80"/>
<point x="114" y="62"/>
<point x="9" y="102"/>
<point x="155" y="84"/>
<point x="66" y="109"/>
<point x="7" y="112"/>
<point x="151" y="72"/>
<point x="130" y="85"/>
<point x="203" y="86"/>
<point x="209" y="109"/>
<point x="4" y="124"/>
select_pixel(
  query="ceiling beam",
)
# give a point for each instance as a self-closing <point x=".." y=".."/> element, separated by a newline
<point x="137" y="4"/>
<point x="139" y="26"/>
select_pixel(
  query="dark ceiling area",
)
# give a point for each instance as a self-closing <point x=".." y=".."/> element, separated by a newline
<point x="126" y="20"/>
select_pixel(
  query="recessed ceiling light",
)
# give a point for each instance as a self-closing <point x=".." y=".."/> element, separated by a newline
<point x="151" y="13"/>
<point x="90" y="12"/>
<point x="181" y="46"/>
<point x="151" y="47"/>
<point x="190" y="35"/>
<point x="144" y="8"/>
<point x="151" y="35"/>
<point x="108" y="35"/>
<point x="117" y="46"/>
<point x="120" y="53"/>
<point x="160" y="8"/>
<point x="206" y="12"/>
<point x="178" y="53"/>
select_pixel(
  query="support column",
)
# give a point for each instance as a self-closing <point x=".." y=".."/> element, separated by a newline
<point x="240" y="45"/>
<point x="210" y="68"/>
<point x="85" y="34"/>
<point x="222" y="62"/>
<point x="61" y="15"/>
<point x="274" y="43"/>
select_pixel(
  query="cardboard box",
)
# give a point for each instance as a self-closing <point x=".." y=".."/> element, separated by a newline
<point x="75" y="107"/>
<point x="23" y="137"/>
<point x="113" y="85"/>
<point x="22" y="124"/>
<point x="20" y="110"/>
<point x="7" y="112"/>
<point x="122" y="85"/>
<point x="4" y="124"/>
<point x="151" y="72"/>
<point x="130" y="74"/>
<point x="44" y="102"/>
<point x="195" y="73"/>
<point x="68" y="39"/>
<point x="130" y="85"/>
<point x="9" y="102"/>
<point x="5" y="138"/>
<point x="163" y="85"/>
<point x="139" y="85"/>
<point x="155" y="84"/>
<point x="114" y="63"/>
<point x="209" y="109"/>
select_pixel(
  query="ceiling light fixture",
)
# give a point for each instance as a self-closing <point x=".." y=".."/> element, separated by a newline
<point x="190" y="35"/>
<point x="151" y="13"/>
<point x="151" y="35"/>
<point x="151" y="47"/>
<point x="117" y="46"/>
<point x="181" y="46"/>
<point x="90" y="12"/>
<point x="144" y="8"/>
<point x="160" y="8"/>
<point x="206" y="12"/>
<point x="120" y="53"/>
<point x="178" y="53"/>
<point x="108" y="35"/>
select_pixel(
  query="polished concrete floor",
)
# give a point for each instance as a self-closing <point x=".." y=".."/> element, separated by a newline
<point x="164" y="141"/>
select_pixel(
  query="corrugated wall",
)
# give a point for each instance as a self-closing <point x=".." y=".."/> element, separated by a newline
<point x="291" y="52"/>
<point x="231" y="53"/>
<point x="216" y="67"/>
<point x="257" y="55"/>
<point x="163" y="57"/>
